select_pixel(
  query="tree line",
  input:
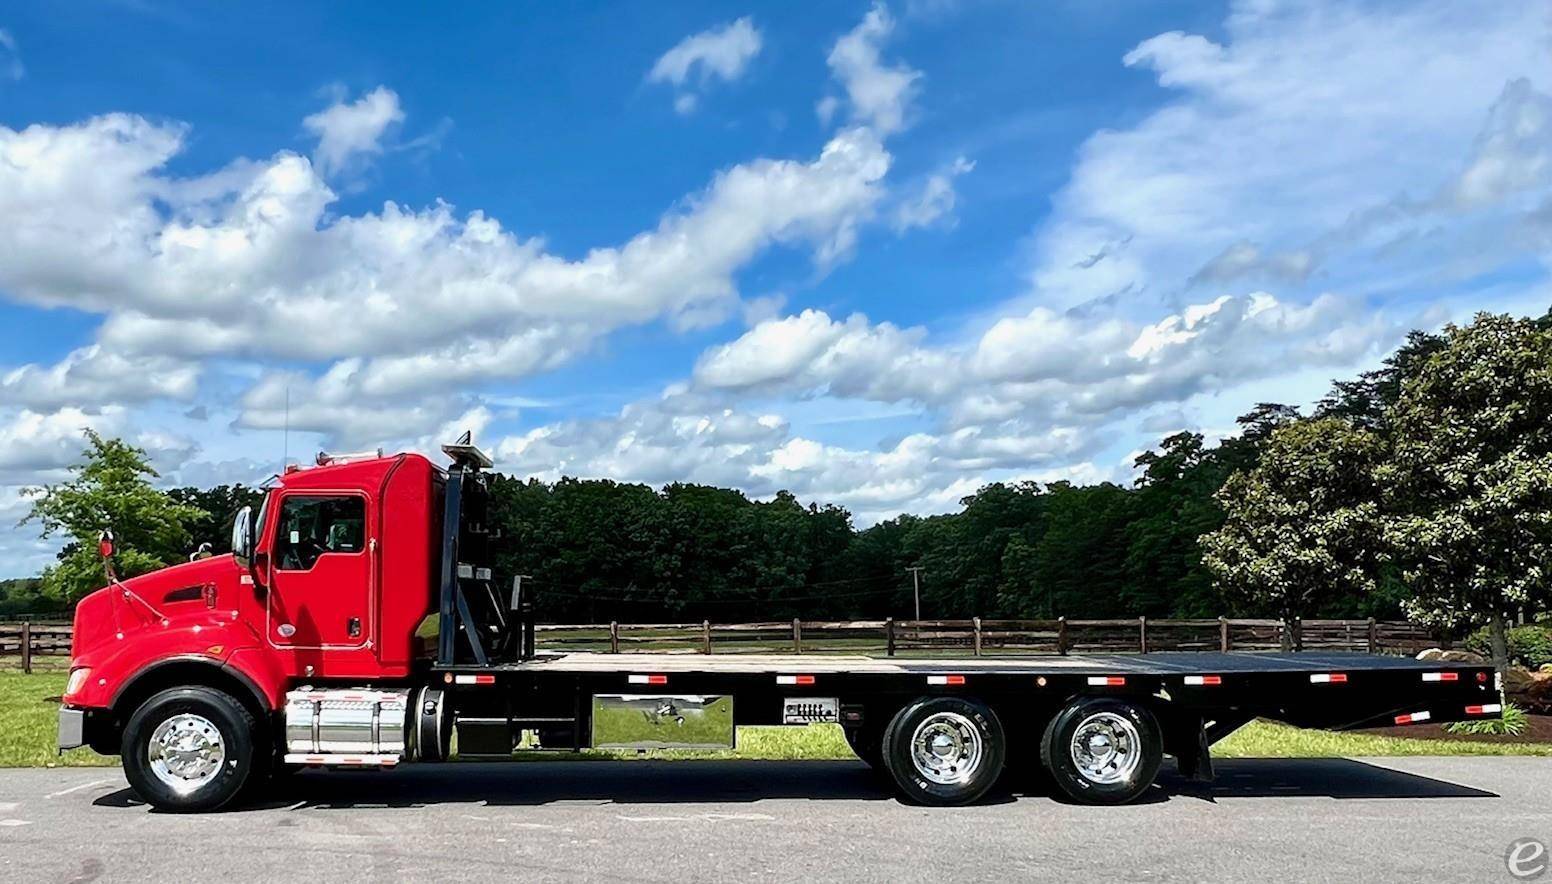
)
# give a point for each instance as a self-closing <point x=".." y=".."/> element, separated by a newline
<point x="1421" y="488"/>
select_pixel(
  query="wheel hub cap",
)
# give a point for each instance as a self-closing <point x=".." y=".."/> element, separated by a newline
<point x="1106" y="748"/>
<point x="186" y="752"/>
<point x="946" y="748"/>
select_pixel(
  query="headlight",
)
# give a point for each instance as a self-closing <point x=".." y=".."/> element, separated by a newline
<point x="77" y="680"/>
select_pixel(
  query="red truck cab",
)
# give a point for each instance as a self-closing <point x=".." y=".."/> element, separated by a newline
<point x="340" y="576"/>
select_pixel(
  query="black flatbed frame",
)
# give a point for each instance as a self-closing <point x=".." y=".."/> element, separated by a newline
<point x="1309" y="689"/>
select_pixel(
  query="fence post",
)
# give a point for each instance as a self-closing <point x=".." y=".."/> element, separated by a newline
<point x="889" y="636"/>
<point x="706" y="635"/>
<point x="1223" y="634"/>
<point x="977" y="622"/>
<point x="27" y="647"/>
<point x="1374" y="637"/>
<point x="1061" y="635"/>
<point x="614" y="636"/>
<point x="1142" y="634"/>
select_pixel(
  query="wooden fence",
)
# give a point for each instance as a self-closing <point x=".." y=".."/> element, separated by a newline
<point x="35" y="644"/>
<point x="48" y="644"/>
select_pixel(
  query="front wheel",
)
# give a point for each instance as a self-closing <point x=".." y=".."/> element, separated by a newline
<point x="944" y="751"/>
<point x="1100" y="750"/>
<point x="189" y="749"/>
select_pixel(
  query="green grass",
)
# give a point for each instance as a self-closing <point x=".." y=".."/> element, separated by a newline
<point x="27" y="733"/>
<point x="1264" y="739"/>
<point x="29" y="722"/>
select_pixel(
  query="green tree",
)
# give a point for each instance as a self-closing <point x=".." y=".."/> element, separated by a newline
<point x="1470" y="476"/>
<point x="1368" y="400"/>
<point x="1303" y="525"/>
<point x="111" y="489"/>
<point x="216" y="506"/>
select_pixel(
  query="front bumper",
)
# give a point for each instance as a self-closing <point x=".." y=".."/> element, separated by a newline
<point x="72" y="728"/>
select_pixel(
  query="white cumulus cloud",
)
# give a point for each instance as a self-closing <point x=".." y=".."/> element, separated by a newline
<point x="722" y="53"/>
<point x="349" y="130"/>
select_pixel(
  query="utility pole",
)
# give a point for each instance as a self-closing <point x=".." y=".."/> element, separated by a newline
<point x="916" y="587"/>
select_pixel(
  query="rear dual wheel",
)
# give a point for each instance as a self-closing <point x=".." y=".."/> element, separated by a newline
<point x="944" y="751"/>
<point x="1102" y="750"/>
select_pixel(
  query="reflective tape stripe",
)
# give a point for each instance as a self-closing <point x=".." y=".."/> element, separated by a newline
<point x="474" y="679"/>
<point x="1484" y="709"/>
<point x="649" y="679"/>
<point x="1441" y="676"/>
<point x="1329" y="678"/>
<point x="945" y="679"/>
<point x="1413" y="718"/>
<point x="794" y="679"/>
<point x="1204" y="679"/>
<point x="1113" y="681"/>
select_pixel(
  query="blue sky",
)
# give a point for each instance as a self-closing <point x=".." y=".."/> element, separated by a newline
<point x="877" y="254"/>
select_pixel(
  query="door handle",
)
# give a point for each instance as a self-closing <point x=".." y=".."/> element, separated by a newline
<point x="353" y="627"/>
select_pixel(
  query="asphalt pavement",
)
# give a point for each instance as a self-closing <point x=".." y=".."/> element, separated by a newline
<point x="1413" y="819"/>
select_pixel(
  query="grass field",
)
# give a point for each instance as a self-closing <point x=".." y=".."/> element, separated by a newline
<point x="27" y="732"/>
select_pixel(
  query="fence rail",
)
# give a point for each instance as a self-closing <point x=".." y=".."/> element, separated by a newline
<point x="48" y="644"/>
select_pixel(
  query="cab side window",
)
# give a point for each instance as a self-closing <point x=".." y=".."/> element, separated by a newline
<point x="313" y="525"/>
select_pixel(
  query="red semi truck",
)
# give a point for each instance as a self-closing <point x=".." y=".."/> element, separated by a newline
<point x="358" y="624"/>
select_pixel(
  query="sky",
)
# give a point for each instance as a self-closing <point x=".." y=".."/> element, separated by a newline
<point x="876" y="254"/>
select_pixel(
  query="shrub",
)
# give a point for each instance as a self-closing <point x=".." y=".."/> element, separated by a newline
<point x="1529" y="646"/>
<point x="1512" y="724"/>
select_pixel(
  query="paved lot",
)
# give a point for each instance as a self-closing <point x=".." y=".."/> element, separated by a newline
<point x="1390" y="819"/>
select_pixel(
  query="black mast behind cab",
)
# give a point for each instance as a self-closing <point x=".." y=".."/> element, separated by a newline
<point x="475" y="626"/>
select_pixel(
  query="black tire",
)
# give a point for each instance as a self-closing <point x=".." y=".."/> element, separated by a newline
<point x="1056" y="751"/>
<point x="868" y="742"/>
<point x="914" y="783"/>
<point x="236" y="731"/>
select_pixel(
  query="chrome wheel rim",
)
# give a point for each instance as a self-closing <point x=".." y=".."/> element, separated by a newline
<point x="1106" y="748"/>
<point x="186" y="752"/>
<point x="947" y="748"/>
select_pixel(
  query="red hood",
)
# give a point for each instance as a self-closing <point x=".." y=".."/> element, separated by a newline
<point x="170" y="592"/>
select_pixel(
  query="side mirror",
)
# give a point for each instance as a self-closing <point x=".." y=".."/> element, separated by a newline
<point x="242" y="537"/>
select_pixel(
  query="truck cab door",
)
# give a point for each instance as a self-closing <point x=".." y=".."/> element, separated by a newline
<point x="321" y="572"/>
